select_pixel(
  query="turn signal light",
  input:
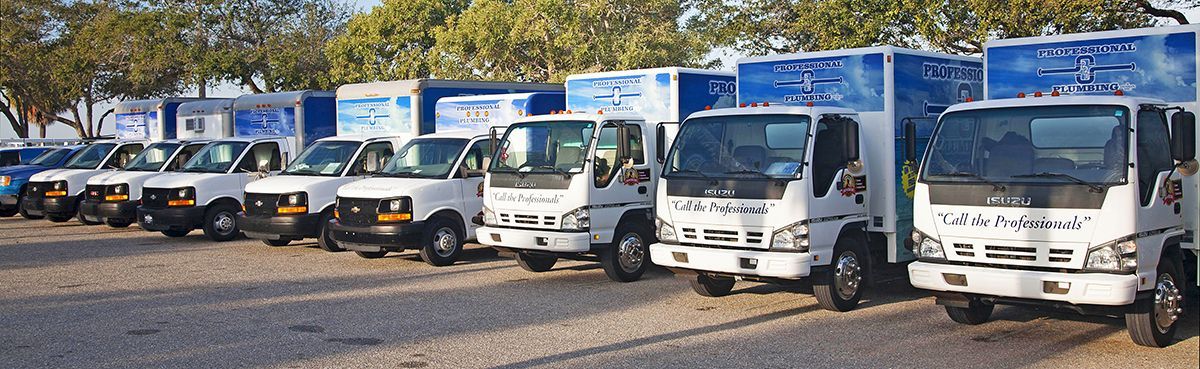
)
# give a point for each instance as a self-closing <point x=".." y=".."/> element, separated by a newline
<point x="55" y="193"/>
<point x="116" y="197"/>
<point x="181" y="202"/>
<point x="292" y="210"/>
<point x="393" y="217"/>
<point x="337" y="215"/>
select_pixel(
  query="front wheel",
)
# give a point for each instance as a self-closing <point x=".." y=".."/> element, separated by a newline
<point x="536" y="263"/>
<point x="325" y="239"/>
<point x="59" y="218"/>
<point x="712" y="286"/>
<point x="627" y="258"/>
<point x="117" y="224"/>
<point x="5" y="213"/>
<point x="175" y="233"/>
<point x="371" y="254"/>
<point x="79" y="214"/>
<point x="977" y="312"/>
<point x="841" y="286"/>
<point x="442" y="242"/>
<point x="277" y="243"/>
<point x="220" y="223"/>
<point x="24" y="213"/>
<point x="1152" y="321"/>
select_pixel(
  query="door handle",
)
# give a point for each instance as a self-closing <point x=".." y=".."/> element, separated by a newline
<point x="641" y="190"/>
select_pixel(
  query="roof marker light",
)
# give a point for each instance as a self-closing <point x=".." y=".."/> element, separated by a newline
<point x="970" y="99"/>
<point x="1020" y="95"/>
<point x="753" y="105"/>
<point x="1119" y="93"/>
<point x="1037" y="94"/>
<point x="808" y="104"/>
<point x="742" y="105"/>
<point x="766" y="104"/>
<point x="600" y="112"/>
<point x="708" y="107"/>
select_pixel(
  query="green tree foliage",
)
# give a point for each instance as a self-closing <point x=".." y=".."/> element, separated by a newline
<point x="546" y="40"/>
<point x="391" y="42"/>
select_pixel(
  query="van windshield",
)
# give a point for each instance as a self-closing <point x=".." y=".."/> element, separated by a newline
<point x="153" y="157"/>
<point x="49" y="158"/>
<point x="544" y="147"/>
<point x="425" y="158"/>
<point x="758" y="146"/>
<point x="216" y="157"/>
<point x="91" y="156"/>
<point x="1041" y="144"/>
<point x="325" y="158"/>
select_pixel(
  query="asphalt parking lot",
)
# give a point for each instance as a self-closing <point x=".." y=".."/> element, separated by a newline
<point x="78" y="296"/>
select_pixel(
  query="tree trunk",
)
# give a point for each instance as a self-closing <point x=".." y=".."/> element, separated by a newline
<point x="201" y="88"/>
<point x="83" y="128"/>
<point x="22" y="131"/>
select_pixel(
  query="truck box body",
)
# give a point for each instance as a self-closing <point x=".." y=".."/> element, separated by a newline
<point x="407" y="107"/>
<point x="304" y="116"/>
<point x="486" y="111"/>
<point x="658" y="95"/>
<point x="152" y="120"/>
<point x="1158" y="63"/>
<point x="887" y="86"/>
<point x="211" y="118"/>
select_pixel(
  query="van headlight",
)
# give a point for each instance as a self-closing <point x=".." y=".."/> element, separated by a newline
<point x="119" y="192"/>
<point x="489" y="217"/>
<point x="664" y="230"/>
<point x="792" y="238"/>
<point x="292" y="203"/>
<point x="394" y="210"/>
<point x="927" y="247"/>
<point x="5" y="180"/>
<point x="576" y="220"/>
<point x="1118" y="256"/>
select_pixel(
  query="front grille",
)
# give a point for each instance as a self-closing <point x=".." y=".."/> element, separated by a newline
<point x="1058" y="257"/>
<point x="37" y="190"/>
<point x="526" y="220"/>
<point x="94" y="192"/>
<point x="723" y="236"/>
<point x="261" y="204"/>
<point x="155" y="198"/>
<point x="366" y="214"/>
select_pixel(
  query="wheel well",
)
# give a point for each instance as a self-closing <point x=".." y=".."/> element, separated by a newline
<point x="329" y="208"/>
<point x="637" y="215"/>
<point x="859" y="229"/>
<point x="1171" y="248"/>
<point x="225" y="201"/>
<point x="454" y="216"/>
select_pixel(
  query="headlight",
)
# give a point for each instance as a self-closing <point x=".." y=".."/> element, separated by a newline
<point x="60" y="185"/>
<point x="120" y="192"/>
<point x="1118" y="256"/>
<point x="293" y="203"/>
<point x="5" y="180"/>
<point x="394" y="210"/>
<point x="666" y="232"/>
<point x="185" y="196"/>
<point x="927" y="247"/>
<point x="793" y="237"/>
<point x="489" y="217"/>
<point x="576" y="220"/>
<point x="59" y="189"/>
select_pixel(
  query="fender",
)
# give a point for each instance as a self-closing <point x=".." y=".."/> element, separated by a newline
<point x="214" y="200"/>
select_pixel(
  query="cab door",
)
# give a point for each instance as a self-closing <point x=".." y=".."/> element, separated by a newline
<point x="260" y="161"/>
<point x="618" y="183"/>
<point x="469" y="177"/>
<point x="838" y="189"/>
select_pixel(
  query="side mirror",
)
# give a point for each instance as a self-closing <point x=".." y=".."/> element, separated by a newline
<point x="1183" y="136"/>
<point x="372" y="165"/>
<point x="660" y="146"/>
<point x="851" y="141"/>
<point x="623" y="141"/>
<point x="910" y="141"/>
<point x="487" y="163"/>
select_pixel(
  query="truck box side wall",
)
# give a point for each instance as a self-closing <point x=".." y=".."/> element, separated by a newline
<point x="543" y="103"/>
<point x="279" y="121"/>
<point x="320" y="119"/>
<point x="376" y="115"/>
<point x="924" y="86"/>
<point x="648" y="95"/>
<point x="430" y="96"/>
<point x="485" y="111"/>
<point x="697" y="91"/>
<point x="1153" y="62"/>
<point x="168" y="120"/>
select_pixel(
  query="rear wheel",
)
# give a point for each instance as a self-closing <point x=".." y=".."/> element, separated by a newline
<point x="977" y="312"/>
<point x="536" y="263"/>
<point x="220" y="223"/>
<point x="371" y="254"/>
<point x="442" y="242"/>
<point x="627" y="258"/>
<point x="1152" y="320"/>
<point x="842" y="284"/>
<point x="277" y="243"/>
<point x="175" y="233"/>
<point x="325" y="239"/>
<point x="712" y="286"/>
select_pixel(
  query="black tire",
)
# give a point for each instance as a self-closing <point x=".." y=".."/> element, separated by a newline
<point x="976" y="313"/>
<point x="277" y="243"/>
<point x="5" y="213"/>
<point x="536" y="263"/>
<point x="220" y="223"/>
<point x="325" y="237"/>
<point x="712" y="286"/>
<point x="175" y="233"/>
<point x="1146" y="318"/>
<point x="59" y="218"/>
<point x="626" y="259"/>
<point x="79" y="214"/>
<point x="117" y="224"/>
<point x="21" y="209"/>
<point x="371" y="254"/>
<point x="442" y="242"/>
<point x="840" y="286"/>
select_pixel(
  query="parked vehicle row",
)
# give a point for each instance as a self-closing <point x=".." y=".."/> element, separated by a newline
<point x="1068" y="184"/>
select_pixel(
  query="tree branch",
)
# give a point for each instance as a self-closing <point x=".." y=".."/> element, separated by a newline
<point x="1145" y="7"/>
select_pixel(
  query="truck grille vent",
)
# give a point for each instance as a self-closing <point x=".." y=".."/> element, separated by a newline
<point x="723" y="235"/>
<point x="367" y="214"/>
<point x="155" y="198"/>
<point x="1017" y="253"/>
<point x="261" y="204"/>
<point x="527" y="219"/>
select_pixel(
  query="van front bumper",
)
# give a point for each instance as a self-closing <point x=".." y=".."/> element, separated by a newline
<point x="59" y="205"/>
<point x="179" y="219"/>
<point x="536" y="240"/>
<point x="1074" y="288"/>
<point x="782" y="265"/>
<point x="33" y="207"/>
<point x="379" y="237"/>
<point x="123" y="210"/>
<point x="280" y="227"/>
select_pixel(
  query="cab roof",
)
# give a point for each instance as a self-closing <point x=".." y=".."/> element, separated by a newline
<point x="1047" y="100"/>
<point x="773" y="109"/>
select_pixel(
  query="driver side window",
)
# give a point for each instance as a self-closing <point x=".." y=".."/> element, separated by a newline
<point x="378" y="153"/>
<point x="123" y="155"/>
<point x="829" y="153"/>
<point x="478" y="152"/>
<point x="1153" y="151"/>
<point x="606" y="164"/>
<point x="263" y="154"/>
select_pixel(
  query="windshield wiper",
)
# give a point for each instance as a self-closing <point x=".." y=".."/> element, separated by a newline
<point x="995" y="186"/>
<point x="675" y="169"/>
<point x="747" y="171"/>
<point x="399" y="174"/>
<point x="564" y="173"/>
<point x="1092" y="186"/>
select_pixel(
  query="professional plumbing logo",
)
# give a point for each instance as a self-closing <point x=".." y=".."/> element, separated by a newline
<point x="951" y="72"/>
<point x="374" y="115"/>
<point x="267" y="121"/>
<point x="1086" y="69"/>
<point x="722" y="88"/>
<point x="618" y="89"/>
<point x="476" y="113"/>
<point x="808" y="81"/>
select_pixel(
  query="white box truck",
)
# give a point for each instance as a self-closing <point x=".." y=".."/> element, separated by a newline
<point x="806" y="178"/>
<point x="580" y="185"/>
<point x="373" y="120"/>
<point x="426" y="196"/>
<point x="113" y="197"/>
<point x="1065" y="188"/>
<point x="207" y="191"/>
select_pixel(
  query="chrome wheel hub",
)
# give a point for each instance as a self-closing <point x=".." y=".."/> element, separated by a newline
<point x="847" y="275"/>
<point x="223" y="222"/>
<point x="444" y="242"/>
<point x="630" y="253"/>
<point x="1168" y="303"/>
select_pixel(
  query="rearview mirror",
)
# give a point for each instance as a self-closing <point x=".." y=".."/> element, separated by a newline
<point x="1183" y="136"/>
<point x="910" y="141"/>
<point x="851" y="140"/>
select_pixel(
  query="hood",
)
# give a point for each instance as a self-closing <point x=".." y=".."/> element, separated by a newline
<point x="381" y="187"/>
<point x="23" y="170"/>
<point x="289" y="183"/>
<point x="76" y="178"/>
<point x="122" y="176"/>
<point x="176" y="180"/>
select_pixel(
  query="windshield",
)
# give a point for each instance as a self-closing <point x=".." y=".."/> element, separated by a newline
<point x="152" y="158"/>
<point x="216" y="157"/>
<point x="49" y="158"/>
<point x="425" y="158"/>
<point x="544" y="147"/>
<point x="325" y="158"/>
<point x="766" y="146"/>
<point x="1043" y="144"/>
<point x="90" y="157"/>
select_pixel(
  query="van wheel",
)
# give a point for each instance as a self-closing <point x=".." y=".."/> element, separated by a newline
<point x="117" y="224"/>
<point x="536" y="263"/>
<point x="977" y="312"/>
<point x="59" y="218"/>
<point x="325" y="237"/>
<point x="220" y="223"/>
<point x="712" y="286"/>
<point x="79" y="214"/>
<point x="626" y="259"/>
<point x="442" y="242"/>
<point x="371" y="254"/>
<point x="841" y="286"/>
<point x="176" y="233"/>
<point x="21" y="209"/>
<point x="5" y="213"/>
<point x="277" y="243"/>
<point x="1151" y="322"/>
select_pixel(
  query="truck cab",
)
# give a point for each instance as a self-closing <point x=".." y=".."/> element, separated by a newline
<point x="57" y="193"/>
<point x="113" y="197"/>
<point x="14" y="179"/>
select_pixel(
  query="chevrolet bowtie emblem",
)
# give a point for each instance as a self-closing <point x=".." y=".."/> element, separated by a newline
<point x="258" y="203"/>
<point x="154" y="197"/>
<point x="355" y="210"/>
